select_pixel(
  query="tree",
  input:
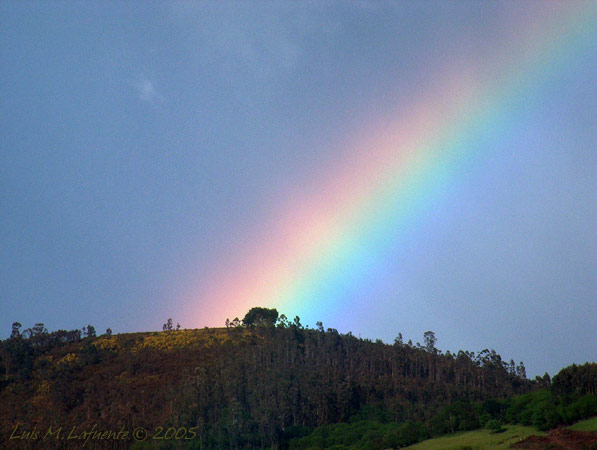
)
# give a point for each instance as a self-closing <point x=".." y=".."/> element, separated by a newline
<point x="544" y="382"/>
<point x="430" y="341"/>
<point x="108" y="332"/>
<point x="320" y="326"/>
<point x="521" y="371"/>
<point x="398" y="340"/>
<point x="260" y="317"/>
<point x="15" y="333"/>
<point x="90" y="331"/>
<point x="494" y="425"/>
<point x="39" y="329"/>
<point x="167" y="326"/>
<point x="283" y="321"/>
<point x="512" y="368"/>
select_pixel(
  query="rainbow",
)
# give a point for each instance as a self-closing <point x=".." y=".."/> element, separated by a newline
<point x="333" y="235"/>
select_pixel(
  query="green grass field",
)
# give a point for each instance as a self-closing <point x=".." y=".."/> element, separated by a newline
<point x="585" y="425"/>
<point x="478" y="439"/>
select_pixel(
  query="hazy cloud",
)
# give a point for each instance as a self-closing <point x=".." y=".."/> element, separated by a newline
<point x="147" y="91"/>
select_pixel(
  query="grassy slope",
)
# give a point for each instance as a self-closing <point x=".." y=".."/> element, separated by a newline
<point x="478" y="439"/>
<point x="484" y="439"/>
<point x="585" y="425"/>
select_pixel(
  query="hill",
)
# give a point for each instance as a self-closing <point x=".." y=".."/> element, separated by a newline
<point x="252" y="386"/>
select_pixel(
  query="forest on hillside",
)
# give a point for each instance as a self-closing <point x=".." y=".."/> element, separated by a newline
<point x="266" y="382"/>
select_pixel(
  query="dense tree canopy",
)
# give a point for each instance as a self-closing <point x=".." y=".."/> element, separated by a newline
<point x="261" y="317"/>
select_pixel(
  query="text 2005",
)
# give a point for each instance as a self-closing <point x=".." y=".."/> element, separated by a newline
<point x="181" y="433"/>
